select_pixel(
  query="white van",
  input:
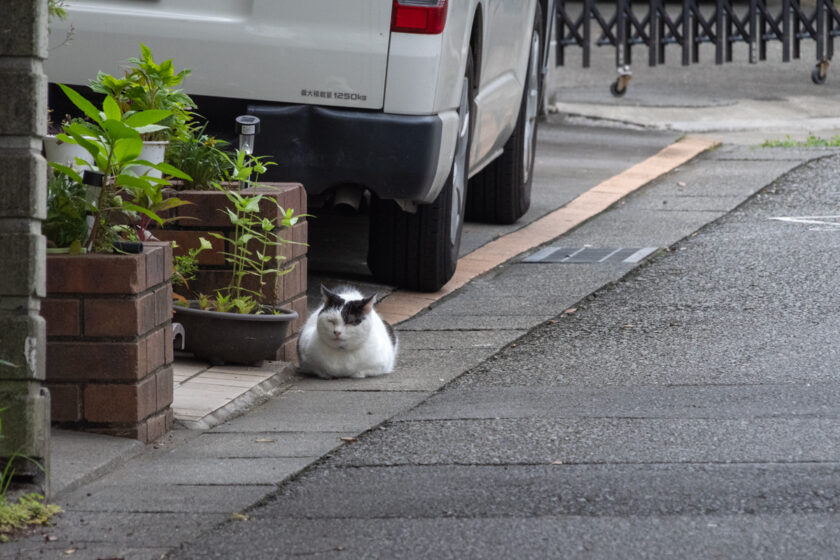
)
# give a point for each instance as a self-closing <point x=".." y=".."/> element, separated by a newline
<point x="430" y="105"/>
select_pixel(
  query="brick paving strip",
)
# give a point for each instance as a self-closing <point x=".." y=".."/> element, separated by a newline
<point x="207" y="396"/>
<point x="402" y="305"/>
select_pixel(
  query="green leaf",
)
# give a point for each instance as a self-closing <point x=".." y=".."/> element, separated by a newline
<point x="111" y="109"/>
<point x="127" y="149"/>
<point x="69" y="171"/>
<point x="145" y="118"/>
<point x="173" y="171"/>
<point x="93" y="147"/>
<point x="252" y="205"/>
<point x="148" y="129"/>
<point x="140" y="183"/>
<point x="170" y="203"/>
<point x="204" y="243"/>
<point x="150" y="213"/>
<point x="83" y="104"/>
<point x="116" y="129"/>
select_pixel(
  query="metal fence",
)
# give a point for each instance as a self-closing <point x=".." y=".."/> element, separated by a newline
<point x="691" y="24"/>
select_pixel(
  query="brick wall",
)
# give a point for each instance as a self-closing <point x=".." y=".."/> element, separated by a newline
<point x="109" y="342"/>
<point x="205" y="215"/>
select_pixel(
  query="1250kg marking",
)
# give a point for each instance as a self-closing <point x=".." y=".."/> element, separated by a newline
<point x="343" y="95"/>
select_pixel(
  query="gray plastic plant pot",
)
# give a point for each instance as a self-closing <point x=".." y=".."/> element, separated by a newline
<point x="234" y="338"/>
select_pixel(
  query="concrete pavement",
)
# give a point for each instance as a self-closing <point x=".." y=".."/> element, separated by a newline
<point x="194" y="482"/>
<point x="687" y="410"/>
<point x="124" y="501"/>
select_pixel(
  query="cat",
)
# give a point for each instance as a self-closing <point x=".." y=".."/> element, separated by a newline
<point x="345" y="337"/>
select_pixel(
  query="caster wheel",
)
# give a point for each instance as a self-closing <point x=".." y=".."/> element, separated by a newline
<point x="614" y="89"/>
<point x="816" y="77"/>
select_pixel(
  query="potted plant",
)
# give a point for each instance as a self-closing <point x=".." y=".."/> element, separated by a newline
<point x="66" y="227"/>
<point x="146" y="86"/>
<point x="235" y="324"/>
<point x="113" y="141"/>
<point x="109" y="332"/>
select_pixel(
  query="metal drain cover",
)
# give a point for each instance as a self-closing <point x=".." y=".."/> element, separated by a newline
<point x="590" y="255"/>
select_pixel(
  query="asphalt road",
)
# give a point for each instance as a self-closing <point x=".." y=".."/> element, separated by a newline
<point x="684" y="409"/>
<point x="688" y="410"/>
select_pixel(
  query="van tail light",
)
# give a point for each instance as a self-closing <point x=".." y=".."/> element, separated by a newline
<point x="419" y="16"/>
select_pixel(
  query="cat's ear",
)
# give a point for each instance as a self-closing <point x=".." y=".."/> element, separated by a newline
<point x="331" y="299"/>
<point x="367" y="304"/>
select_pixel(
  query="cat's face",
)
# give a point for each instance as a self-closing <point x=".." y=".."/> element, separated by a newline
<point x="342" y="323"/>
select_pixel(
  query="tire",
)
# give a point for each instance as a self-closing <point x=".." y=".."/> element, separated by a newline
<point x="501" y="192"/>
<point x="419" y="251"/>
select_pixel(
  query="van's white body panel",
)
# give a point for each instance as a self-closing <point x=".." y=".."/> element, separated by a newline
<point x="329" y="53"/>
<point x="270" y="50"/>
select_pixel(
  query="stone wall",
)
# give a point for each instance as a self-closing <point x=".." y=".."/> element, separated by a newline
<point x="23" y="113"/>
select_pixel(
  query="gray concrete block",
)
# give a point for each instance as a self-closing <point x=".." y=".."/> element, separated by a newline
<point x="24" y="258"/>
<point x="20" y="346"/>
<point x="23" y="178"/>
<point x="221" y="445"/>
<point x="113" y="494"/>
<point x="23" y="29"/>
<point x="25" y="425"/>
<point x="446" y="340"/>
<point x="417" y="370"/>
<point x="148" y="471"/>
<point x="24" y="108"/>
<point x="347" y="412"/>
<point x="79" y="458"/>
<point x="95" y="536"/>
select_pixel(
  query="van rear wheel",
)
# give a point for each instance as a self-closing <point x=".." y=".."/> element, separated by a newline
<point x="501" y="192"/>
<point x="419" y="251"/>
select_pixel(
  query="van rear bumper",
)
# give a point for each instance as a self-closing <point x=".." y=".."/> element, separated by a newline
<point x="395" y="156"/>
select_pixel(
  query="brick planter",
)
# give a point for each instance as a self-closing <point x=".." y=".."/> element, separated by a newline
<point x="205" y="215"/>
<point x="109" y="342"/>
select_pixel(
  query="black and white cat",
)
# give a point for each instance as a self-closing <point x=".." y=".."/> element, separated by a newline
<point x="345" y="337"/>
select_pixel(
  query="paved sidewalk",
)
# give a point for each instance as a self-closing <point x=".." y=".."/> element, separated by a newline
<point x="170" y="493"/>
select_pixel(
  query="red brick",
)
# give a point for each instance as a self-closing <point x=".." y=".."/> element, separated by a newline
<point x="300" y="235"/>
<point x="156" y="348"/>
<point x="206" y="209"/>
<point x="291" y="283"/>
<point x="65" y="403"/>
<point x="114" y="318"/>
<point x="299" y="305"/>
<point x="165" y="387"/>
<point x="288" y="352"/>
<point x="96" y="274"/>
<point x="158" y="255"/>
<point x="96" y="361"/>
<point x="62" y="316"/>
<point x="169" y="348"/>
<point x="121" y="403"/>
<point x="163" y="305"/>
<point x="155" y="427"/>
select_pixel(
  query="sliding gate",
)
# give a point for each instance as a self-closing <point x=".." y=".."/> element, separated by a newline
<point x="657" y="24"/>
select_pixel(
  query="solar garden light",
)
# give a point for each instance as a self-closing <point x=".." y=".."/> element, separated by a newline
<point x="247" y="127"/>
